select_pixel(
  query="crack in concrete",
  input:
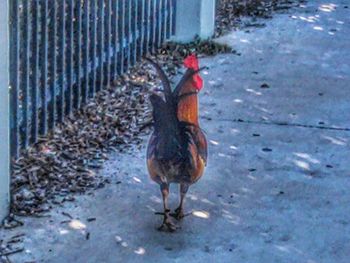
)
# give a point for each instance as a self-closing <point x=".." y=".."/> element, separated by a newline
<point x="276" y="123"/>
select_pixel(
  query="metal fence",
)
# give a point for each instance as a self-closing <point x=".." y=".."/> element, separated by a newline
<point x="64" y="51"/>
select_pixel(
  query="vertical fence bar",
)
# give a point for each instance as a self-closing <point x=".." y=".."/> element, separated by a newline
<point x="86" y="51"/>
<point x="173" y="16"/>
<point x="141" y="28"/>
<point x="4" y="102"/>
<point x="128" y="33"/>
<point x="53" y="61"/>
<point x="138" y="22"/>
<point x="108" y="43"/>
<point x="14" y="81"/>
<point x="134" y="34"/>
<point x="153" y="26"/>
<point x="170" y="18"/>
<point x="121" y="31"/>
<point x="61" y="57"/>
<point x="147" y="26"/>
<point x="78" y="51"/>
<point x="25" y="73"/>
<point x="35" y="70"/>
<point x="101" y="43"/>
<point x="70" y="56"/>
<point x="160" y="23"/>
<point x="165" y="20"/>
<point x="150" y="26"/>
<point x="170" y="14"/>
<point x="157" y="23"/>
<point x="115" y="17"/>
<point x="44" y="67"/>
<point x="93" y="46"/>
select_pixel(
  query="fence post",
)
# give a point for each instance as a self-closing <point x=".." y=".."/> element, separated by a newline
<point x="4" y="108"/>
<point x="194" y="18"/>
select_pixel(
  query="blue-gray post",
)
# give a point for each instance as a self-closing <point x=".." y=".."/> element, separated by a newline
<point x="194" y="18"/>
<point x="4" y="109"/>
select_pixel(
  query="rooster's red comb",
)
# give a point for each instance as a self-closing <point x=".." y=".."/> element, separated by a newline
<point x="191" y="62"/>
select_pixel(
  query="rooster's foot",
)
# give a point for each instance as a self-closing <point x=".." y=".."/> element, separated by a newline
<point x="179" y="213"/>
<point x="168" y="225"/>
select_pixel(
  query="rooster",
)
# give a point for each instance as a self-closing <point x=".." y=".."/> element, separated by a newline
<point x="177" y="149"/>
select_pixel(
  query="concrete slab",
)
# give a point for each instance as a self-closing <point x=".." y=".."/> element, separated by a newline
<point x="276" y="188"/>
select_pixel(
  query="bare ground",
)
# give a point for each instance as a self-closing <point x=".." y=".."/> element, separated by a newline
<point x="276" y="187"/>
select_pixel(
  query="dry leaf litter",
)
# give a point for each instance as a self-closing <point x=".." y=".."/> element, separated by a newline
<point x="232" y="14"/>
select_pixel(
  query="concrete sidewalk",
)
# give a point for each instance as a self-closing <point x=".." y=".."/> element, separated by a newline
<point x="277" y="186"/>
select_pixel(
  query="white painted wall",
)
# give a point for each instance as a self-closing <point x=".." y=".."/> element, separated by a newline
<point x="207" y="25"/>
<point x="194" y="17"/>
<point x="4" y="109"/>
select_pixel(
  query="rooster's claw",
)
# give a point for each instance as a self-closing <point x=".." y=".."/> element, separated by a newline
<point x="178" y="214"/>
<point x="168" y="225"/>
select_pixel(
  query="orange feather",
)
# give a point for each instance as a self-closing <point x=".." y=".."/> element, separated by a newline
<point x="188" y="106"/>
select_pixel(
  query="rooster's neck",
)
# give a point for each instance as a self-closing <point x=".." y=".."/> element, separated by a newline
<point x="188" y="106"/>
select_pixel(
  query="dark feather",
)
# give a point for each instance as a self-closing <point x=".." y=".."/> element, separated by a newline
<point x="164" y="79"/>
<point x="173" y="138"/>
<point x="166" y="129"/>
<point x="195" y="135"/>
<point x="182" y="96"/>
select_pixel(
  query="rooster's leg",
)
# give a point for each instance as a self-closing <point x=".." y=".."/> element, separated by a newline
<point x="179" y="212"/>
<point x="167" y="223"/>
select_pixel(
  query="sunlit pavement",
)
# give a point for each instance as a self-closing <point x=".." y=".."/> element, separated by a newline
<point x="277" y="118"/>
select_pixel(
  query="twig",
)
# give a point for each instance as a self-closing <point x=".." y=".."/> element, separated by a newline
<point x="67" y="215"/>
<point x="18" y="250"/>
